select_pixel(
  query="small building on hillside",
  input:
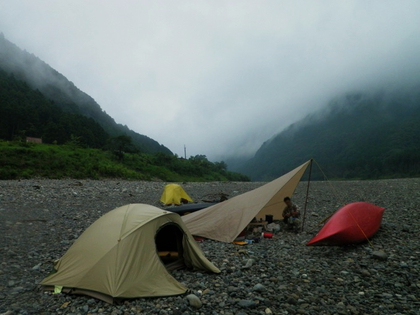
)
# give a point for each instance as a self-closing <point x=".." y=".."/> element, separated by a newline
<point x="33" y="140"/>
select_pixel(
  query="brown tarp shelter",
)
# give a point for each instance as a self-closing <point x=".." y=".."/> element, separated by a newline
<point x="226" y="220"/>
<point x="118" y="255"/>
<point x="174" y="194"/>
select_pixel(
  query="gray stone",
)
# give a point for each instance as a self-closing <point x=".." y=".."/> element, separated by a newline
<point x="258" y="287"/>
<point x="36" y="267"/>
<point x="247" y="303"/>
<point x="194" y="300"/>
<point x="364" y="272"/>
<point x="380" y="255"/>
<point x="248" y="264"/>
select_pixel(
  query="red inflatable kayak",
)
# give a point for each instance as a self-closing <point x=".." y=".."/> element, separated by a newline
<point x="353" y="223"/>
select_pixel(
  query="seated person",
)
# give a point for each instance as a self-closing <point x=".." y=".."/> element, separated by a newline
<point x="290" y="212"/>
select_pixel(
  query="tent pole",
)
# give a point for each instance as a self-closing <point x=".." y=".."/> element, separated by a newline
<point x="307" y="193"/>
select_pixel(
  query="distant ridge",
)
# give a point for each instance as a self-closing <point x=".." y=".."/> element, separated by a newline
<point x="361" y="135"/>
<point x="54" y="86"/>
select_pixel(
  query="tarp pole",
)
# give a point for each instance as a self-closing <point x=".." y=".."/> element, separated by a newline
<point x="307" y="193"/>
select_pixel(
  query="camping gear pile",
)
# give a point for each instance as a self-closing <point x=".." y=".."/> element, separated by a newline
<point x="225" y="221"/>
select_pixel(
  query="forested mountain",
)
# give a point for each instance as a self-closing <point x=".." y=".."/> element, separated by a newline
<point x="47" y="94"/>
<point x="360" y="135"/>
<point x="26" y="112"/>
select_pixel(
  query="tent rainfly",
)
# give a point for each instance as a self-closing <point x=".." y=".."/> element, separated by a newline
<point x="174" y="194"/>
<point x="226" y="220"/>
<point x="127" y="253"/>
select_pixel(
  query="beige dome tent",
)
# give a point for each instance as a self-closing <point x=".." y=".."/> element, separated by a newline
<point x="226" y="220"/>
<point x="127" y="253"/>
<point x="174" y="194"/>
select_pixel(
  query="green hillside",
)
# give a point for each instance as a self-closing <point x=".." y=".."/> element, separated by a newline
<point x="21" y="160"/>
<point x="357" y="136"/>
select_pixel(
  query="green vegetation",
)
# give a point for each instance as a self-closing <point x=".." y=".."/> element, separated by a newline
<point x="20" y="160"/>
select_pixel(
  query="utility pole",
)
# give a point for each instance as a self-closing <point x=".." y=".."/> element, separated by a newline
<point x="185" y="152"/>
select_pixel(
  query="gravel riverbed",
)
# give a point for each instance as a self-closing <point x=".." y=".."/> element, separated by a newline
<point x="40" y="219"/>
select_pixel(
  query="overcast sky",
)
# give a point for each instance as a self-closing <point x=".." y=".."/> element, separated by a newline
<point x="220" y="77"/>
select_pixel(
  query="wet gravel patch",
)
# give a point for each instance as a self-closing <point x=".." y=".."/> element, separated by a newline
<point x="40" y="219"/>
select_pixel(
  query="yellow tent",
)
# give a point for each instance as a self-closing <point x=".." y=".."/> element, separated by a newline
<point x="127" y="253"/>
<point x="174" y="194"/>
<point x="226" y="220"/>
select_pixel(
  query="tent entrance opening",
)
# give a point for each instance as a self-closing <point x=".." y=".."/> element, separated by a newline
<point x="169" y="246"/>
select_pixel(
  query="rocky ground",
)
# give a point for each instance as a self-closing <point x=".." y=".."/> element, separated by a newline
<point x="40" y="219"/>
